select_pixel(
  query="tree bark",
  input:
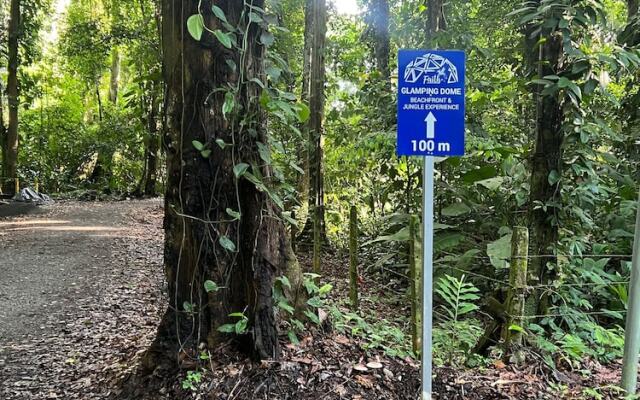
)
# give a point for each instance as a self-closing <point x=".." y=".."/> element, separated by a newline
<point x="10" y="160"/>
<point x="545" y="195"/>
<point x="200" y="189"/>
<point x="3" y="137"/>
<point x="632" y="8"/>
<point x="152" y="148"/>
<point x="379" y="25"/>
<point x="316" y="104"/>
<point x="303" y="184"/>
<point x="115" y="76"/>
<point x="436" y="21"/>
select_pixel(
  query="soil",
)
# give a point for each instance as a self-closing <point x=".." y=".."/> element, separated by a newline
<point x="80" y="295"/>
<point x="81" y="298"/>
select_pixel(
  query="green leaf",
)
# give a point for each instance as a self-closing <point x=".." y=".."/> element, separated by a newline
<point x="499" y="251"/>
<point x="227" y="243"/>
<point x="253" y="17"/>
<point x="205" y="153"/>
<point x="229" y="103"/>
<point x="241" y="326"/>
<point x="401" y="236"/>
<point x="219" y="13"/>
<point x="195" y="26"/>
<point x="287" y="307"/>
<point x="285" y="281"/>
<point x="223" y="38"/>
<point x="325" y="289"/>
<point x="447" y="240"/>
<point x="554" y="177"/>
<point x="456" y="210"/>
<point x="198" y="145"/>
<point x="312" y="317"/>
<point x="492" y="184"/>
<point x="188" y="307"/>
<point x="240" y="169"/>
<point x="303" y="112"/>
<point x="293" y="338"/>
<point x="315" y="302"/>
<point x="273" y="72"/>
<point x="267" y="38"/>
<point x="221" y="143"/>
<point x="227" y="328"/>
<point x="480" y="174"/>
<point x="211" y="286"/>
<point x="265" y="152"/>
<point x="234" y="214"/>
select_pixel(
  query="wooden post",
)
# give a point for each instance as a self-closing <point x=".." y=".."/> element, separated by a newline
<point x="17" y="188"/>
<point x="353" y="258"/>
<point x="414" y="272"/>
<point x="517" y="294"/>
<point x="36" y="185"/>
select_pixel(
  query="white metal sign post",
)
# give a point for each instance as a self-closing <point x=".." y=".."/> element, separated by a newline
<point x="431" y="111"/>
<point x="427" y="276"/>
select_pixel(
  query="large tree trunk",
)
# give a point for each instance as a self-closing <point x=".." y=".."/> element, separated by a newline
<point x="200" y="190"/>
<point x="10" y="161"/>
<point x="545" y="194"/>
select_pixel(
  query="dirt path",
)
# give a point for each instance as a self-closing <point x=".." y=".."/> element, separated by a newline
<point x="80" y="289"/>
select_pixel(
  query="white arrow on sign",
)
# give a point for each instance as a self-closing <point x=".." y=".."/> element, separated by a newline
<point x="431" y="126"/>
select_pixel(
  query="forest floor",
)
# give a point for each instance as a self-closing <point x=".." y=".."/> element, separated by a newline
<point x="81" y="296"/>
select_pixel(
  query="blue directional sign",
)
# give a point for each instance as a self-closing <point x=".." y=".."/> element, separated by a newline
<point x="431" y="103"/>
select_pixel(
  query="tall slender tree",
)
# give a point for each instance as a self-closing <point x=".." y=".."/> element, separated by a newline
<point x="219" y="226"/>
<point x="546" y="160"/>
<point x="378" y="21"/>
<point x="316" y="104"/>
<point x="10" y="161"/>
<point x="303" y="182"/>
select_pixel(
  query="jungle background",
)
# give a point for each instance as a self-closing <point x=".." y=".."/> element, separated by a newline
<point x="284" y="112"/>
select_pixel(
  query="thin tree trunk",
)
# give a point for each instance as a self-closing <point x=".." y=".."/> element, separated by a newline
<point x="304" y="183"/>
<point x="547" y="158"/>
<point x="115" y="76"/>
<point x="380" y="28"/>
<point x="436" y="21"/>
<point x="3" y="137"/>
<point x="201" y="189"/>
<point x="11" y="146"/>
<point x="152" y="148"/>
<point x="316" y="103"/>
<point x="632" y="9"/>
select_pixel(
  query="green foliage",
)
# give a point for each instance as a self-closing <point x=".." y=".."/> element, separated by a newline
<point x="376" y="333"/>
<point x="316" y="301"/>
<point x="237" y="328"/>
<point x="192" y="380"/>
<point x="454" y="338"/>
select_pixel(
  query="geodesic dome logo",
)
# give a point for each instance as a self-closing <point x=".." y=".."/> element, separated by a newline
<point x="432" y="69"/>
